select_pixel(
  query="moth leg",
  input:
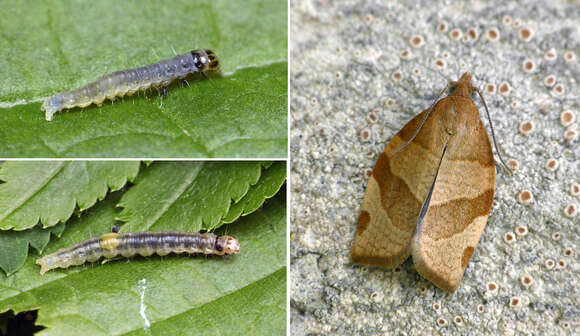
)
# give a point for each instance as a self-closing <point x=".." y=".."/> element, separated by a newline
<point x="164" y="92"/>
<point x="185" y="82"/>
<point x="203" y="74"/>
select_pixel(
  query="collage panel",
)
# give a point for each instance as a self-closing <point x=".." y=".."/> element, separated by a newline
<point x="435" y="167"/>
<point x="143" y="248"/>
<point x="144" y="79"/>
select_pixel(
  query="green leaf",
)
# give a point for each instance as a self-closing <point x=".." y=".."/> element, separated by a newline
<point x="14" y="245"/>
<point x="196" y="194"/>
<point x="49" y="190"/>
<point x="242" y="114"/>
<point x="243" y="294"/>
<point x="269" y="184"/>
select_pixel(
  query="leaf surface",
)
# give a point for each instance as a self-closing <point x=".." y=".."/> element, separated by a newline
<point x="48" y="191"/>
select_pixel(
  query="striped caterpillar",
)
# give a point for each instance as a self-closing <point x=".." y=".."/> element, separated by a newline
<point x="127" y="82"/>
<point x="112" y="244"/>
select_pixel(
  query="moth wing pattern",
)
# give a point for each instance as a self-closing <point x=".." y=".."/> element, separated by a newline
<point x="451" y="227"/>
<point x="394" y="196"/>
<point x="431" y="199"/>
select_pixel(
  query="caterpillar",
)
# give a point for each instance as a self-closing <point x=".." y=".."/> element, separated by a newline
<point x="112" y="244"/>
<point x="127" y="82"/>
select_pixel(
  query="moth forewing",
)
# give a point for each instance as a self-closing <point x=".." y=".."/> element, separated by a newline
<point x="442" y="182"/>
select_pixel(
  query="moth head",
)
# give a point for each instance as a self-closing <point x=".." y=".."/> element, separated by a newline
<point x="205" y="60"/>
<point x="227" y="245"/>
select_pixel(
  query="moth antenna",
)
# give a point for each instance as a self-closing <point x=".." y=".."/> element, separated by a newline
<point x="422" y="122"/>
<point x="503" y="164"/>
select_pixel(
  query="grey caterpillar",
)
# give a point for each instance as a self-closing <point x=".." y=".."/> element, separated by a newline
<point x="127" y="82"/>
<point x="113" y="244"/>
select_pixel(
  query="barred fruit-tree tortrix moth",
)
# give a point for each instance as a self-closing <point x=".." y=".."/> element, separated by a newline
<point x="430" y="192"/>
<point x="127" y="82"/>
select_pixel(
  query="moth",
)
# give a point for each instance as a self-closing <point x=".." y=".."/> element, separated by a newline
<point x="431" y="191"/>
<point x="110" y="245"/>
<point x="127" y="82"/>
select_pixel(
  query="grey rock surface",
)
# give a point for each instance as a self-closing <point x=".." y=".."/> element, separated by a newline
<point x="348" y="65"/>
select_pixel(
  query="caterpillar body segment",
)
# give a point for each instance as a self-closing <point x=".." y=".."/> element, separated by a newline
<point x="127" y="82"/>
<point x="112" y="244"/>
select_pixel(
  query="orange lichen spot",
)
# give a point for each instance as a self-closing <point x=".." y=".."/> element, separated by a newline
<point x="416" y="71"/>
<point x="417" y="41"/>
<point x="571" y="210"/>
<point x="559" y="89"/>
<point x="372" y="117"/>
<point x="480" y="308"/>
<point x="490" y="88"/>
<point x="492" y="34"/>
<point x="338" y="75"/>
<point x="515" y="104"/>
<point x="565" y="324"/>
<point x="504" y="88"/>
<point x="365" y="134"/>
<point x="455" y="34"/>
<point x="436" y="307"/>
<point x="397" y="76"/>
<point x="568" y="252"/>
<point x="509" y="238"/>
<point x="442" y="27"/>
<point x="526" y="281"/>
<point x="515" y="302"/>
<point x="575" y="189"/>
<point x="517" y="23"/>
<point x="440" y="63"/>
<point x="571" y="133"/>
<point x="109" y="241"/>
<point x="569" y="56"/>
<point x="525" y="197"/>
<point x="526" y="34"/>
<point x="441" y="322"/>
<point x="521" y="231"/>
<point x="465" y="38"/>
<point x="549" y="263"/>
<point x="332" y="149"/>
<point x="507" y="20"/>
<point x="473" y="34"/>
<point x="529" y="66"/>
<point x="492" y="287"/>
<point x="556" y="236"/>
<point x="551" y="55"/>
<point x="561" y="264"/>
<point x="445" y="55"/>
<point x="567" y="118"/>
<point x="551" y="164"/>
<point x="405" y="54"/>
<point x="458" y="320"/>
<point x="550" y="80"/>
<point x="495" y="204"/>
<point x="389" y="102"/>
<point x="526" y="127"/>
<point x="368" y="172"/>
<point x="513" y="164"/>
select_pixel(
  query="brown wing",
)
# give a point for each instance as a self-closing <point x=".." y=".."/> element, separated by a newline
<point x="461" y="197"/>
<point x="397" y="189"/>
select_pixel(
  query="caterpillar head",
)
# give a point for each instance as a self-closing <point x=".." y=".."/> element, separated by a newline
<point x="227" y="245"/>
<point x="205" y="60"/>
